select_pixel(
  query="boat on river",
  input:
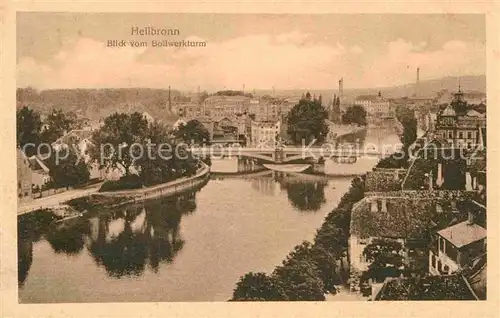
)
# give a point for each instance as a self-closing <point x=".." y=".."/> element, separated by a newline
<point x="287" y="167"/>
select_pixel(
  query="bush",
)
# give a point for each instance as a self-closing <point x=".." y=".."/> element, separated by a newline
<point x="125" y="183"/>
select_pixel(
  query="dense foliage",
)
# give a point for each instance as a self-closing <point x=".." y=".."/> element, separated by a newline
<point x="306" y="121"/>
<point x="193" y="132"/>
<point x="259" y="287"/>
<point x="126" y="182"/>
<point x="355" y="114"/>
<point x="385" y="257"/>
<point x="66" y="169"/>
<point x="28" y="125"/>
<point x="151" y="149"/>
<point x="57" y="124"/>
<point x="115" y="139"/>
<point x="426" y="288"/>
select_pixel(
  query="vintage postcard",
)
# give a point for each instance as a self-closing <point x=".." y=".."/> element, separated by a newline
<point x="191" y="157"/>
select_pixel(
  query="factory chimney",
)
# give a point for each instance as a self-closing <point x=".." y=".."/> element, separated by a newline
<point x="417" y="87"/>
<point x="341" y="88"/>
<point x="169" y="100"/>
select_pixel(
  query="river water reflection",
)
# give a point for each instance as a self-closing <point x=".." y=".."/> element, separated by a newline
<point x="190" y="247"/>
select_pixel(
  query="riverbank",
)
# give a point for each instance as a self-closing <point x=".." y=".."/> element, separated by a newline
<point x="117" y="198"/>
<point x="56" y="200"/>
<point x="342" y="130"/>
<point x="168" y="188"/>
<point x="311" y="270"/>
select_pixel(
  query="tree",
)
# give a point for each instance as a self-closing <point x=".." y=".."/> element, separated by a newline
<point x="301" y="280"/>
<point x="193" y="132"/>
<point x="385" y="257"/>
<point x="66" y="170"/>
<point x="355" y="114"/>
<point x="28" y="129"/>
<point x="455" y="174"/>
<point x="119" y="133"/>
<point x="300" y="274"/>
<point x="58" y="123"/>
<point x="306" y="121"/>
<point x="258" y="287"/>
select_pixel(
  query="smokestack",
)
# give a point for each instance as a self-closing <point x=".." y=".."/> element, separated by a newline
<point x="418" y="82"/>
<point x="169" y="99"/>
<point x="243" y="90"/>
<point x="341" y="88"/>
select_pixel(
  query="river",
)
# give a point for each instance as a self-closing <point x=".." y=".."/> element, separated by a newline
<point x="190" y="247"/>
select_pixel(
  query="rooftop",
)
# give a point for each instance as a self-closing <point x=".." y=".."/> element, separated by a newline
<point x="398" y="217"/>
<point x="369" y="98"/>
<point x="448" y="111"/>
<point x="463" y="234"/>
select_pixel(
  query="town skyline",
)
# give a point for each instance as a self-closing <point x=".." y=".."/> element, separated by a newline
<point x="57" y="51"/>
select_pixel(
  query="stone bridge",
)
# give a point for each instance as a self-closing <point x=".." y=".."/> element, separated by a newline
<point x="286" y="154"/>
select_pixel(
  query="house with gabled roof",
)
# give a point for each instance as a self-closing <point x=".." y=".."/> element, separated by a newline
<point x="39" y="171"/>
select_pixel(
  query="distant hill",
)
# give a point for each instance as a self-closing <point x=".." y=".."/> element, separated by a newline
<point x="99" y="103"/>
<point x="427" y="88"/>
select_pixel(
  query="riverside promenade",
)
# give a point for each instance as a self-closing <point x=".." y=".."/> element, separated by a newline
<point x="56" y="200"/>
<point x="164" y="189"/>
<point x="169" y="188"/>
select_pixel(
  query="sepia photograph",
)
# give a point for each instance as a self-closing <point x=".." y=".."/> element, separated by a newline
<point x="231" y="157"/>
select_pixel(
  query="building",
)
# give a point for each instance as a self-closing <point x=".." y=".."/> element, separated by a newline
<point x="460" y="125"/>
<point x="147" y="116"/>
<point x="264" y="134"/>
<point x="24" y="180"/>
<point x="377" y="107"/>
<point x="81" y="140"/>
<point x="39" y="172"/>
<point x="457" y="246"/>
<point x="402" y="216"/>
<point x="218" y="107"/>
<point x="190" y="111"/>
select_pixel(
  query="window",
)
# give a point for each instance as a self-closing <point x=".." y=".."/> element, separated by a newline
<point x="450" y="134"/>
<point x="446" y="268"/>
<point x="460" y="135"/>
<point x="469" y="135"/>
<point x="19" y="185"/>
<point x="433" y="260"/>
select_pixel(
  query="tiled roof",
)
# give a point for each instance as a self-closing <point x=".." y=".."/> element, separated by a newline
<point x="463" y="234"/>
<point x="369" y="98"/>
<point x="36" y="164"/>
<point x="473" y="113"/>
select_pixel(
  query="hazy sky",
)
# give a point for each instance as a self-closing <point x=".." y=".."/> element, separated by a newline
<point x="68" y="50"/>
